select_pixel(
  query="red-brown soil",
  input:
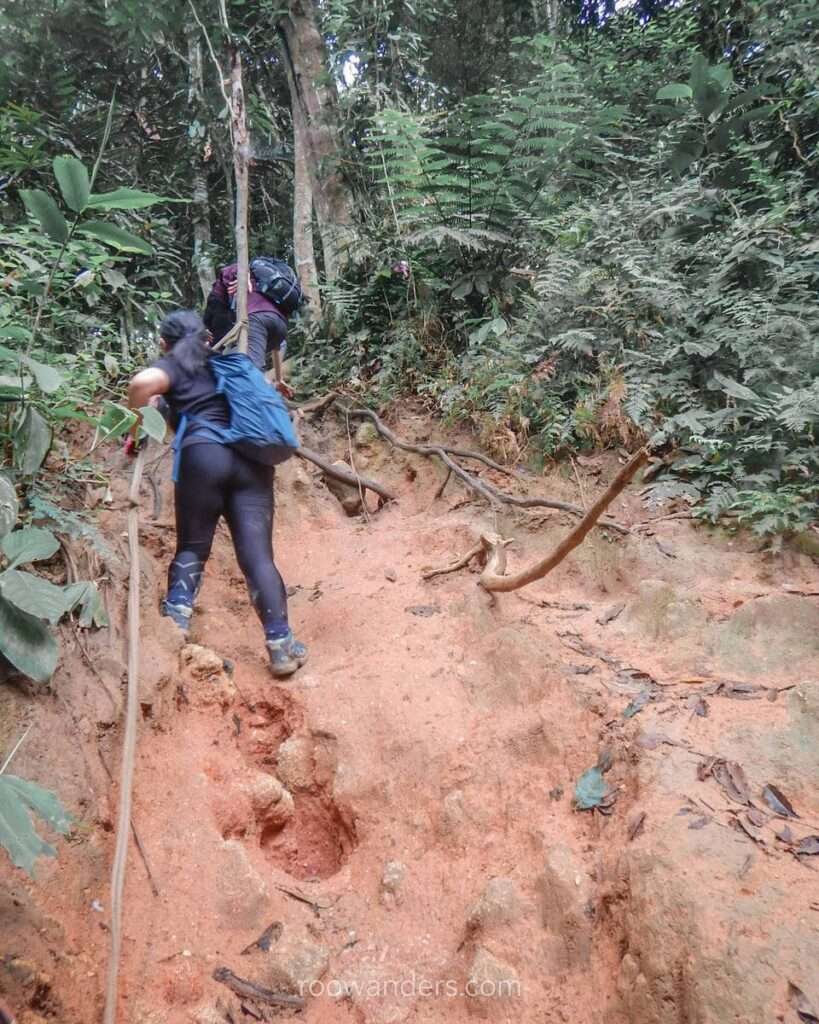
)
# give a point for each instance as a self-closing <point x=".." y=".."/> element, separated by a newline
<point x="403" y="806"/>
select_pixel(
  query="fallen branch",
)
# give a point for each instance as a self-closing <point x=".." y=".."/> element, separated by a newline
<point x="353" y="479"/>
<point x="250" y="990"/>
<point x="493" y="580"/>
<point x="481" y="487"/>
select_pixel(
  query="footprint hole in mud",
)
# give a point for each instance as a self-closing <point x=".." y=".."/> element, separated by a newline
<point x="317" y="840"/>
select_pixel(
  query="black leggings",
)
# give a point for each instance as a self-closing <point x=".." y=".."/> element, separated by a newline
<point x="215" y="481"/>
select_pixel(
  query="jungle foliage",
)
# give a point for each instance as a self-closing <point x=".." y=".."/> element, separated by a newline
<point x="616" y="240"/>
<point x="577" y="226"/>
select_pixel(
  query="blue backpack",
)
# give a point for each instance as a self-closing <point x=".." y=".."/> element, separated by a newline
<point x="258" y="415"/>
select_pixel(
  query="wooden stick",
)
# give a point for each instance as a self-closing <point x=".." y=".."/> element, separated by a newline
<point x="250" y="990"/>
<point x="128" y="748"/>
<point x="241" y="149"/>
<point x="495" y="581"/>
<point x="353" y="479"/>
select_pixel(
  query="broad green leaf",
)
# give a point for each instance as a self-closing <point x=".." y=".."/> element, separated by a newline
<point x="15" y="332"/>
<point x="35" y="596"/>
<point x="114" y="278"/>
<point x="27" y="643"/>
<point x="86" y="595"/>
<point x="153" y="423"/>
<point x="72" y="177"/>
<point x="18" y="798"/>
<point x="590" y="789"/>
<point x="31" y="544"/>
<point x="110" y="234"/>
<point x="42" y="206"/>
<point x="12" y="388"/>
<point x="8" y="506"/>
<point x="48" y="379"/>
<point x="127" y="199"/>
<point x="32" y="439"/>
<point x="675" y="91"/>
<point x="733" y="387"/>
<point x="115" y="421"/>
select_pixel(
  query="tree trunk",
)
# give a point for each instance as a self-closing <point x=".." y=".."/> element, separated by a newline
<point x="200" y="145"/>
<point x="549" y="15"/>
<point x="306" y="64"/>
<point x="303" y="220"/>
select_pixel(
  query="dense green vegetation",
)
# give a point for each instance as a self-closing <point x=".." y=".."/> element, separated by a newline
<point x="571" y="226"/>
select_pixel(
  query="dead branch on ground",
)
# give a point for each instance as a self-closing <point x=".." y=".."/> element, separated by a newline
<point x="494" y="580"/>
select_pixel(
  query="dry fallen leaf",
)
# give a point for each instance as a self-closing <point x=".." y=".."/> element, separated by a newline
<point x="778" y="802"/>
<point x="757" y="817"/>
<point x="786" y="836"/>
<point x="750" y="829"/>
<point x="636" y="825"/>
<point x="731" y="777"/>
<point x="799" y="1002"/>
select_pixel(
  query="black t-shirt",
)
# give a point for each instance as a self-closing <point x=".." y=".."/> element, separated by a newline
<point x="193" y="394"/>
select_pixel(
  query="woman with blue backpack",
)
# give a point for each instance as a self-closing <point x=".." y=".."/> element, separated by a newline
<point x="232" y="428"/>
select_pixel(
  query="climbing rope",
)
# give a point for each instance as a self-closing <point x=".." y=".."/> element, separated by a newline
<point x="128" y="748"/>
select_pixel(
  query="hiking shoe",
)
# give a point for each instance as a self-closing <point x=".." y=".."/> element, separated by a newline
<point x="287" y="655"/>
<point x="179" y="613"/>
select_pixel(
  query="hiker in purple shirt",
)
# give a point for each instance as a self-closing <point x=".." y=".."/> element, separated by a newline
<point x="267" y="322"/>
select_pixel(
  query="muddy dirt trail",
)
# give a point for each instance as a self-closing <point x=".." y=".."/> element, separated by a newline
<point x="391" y="834"/>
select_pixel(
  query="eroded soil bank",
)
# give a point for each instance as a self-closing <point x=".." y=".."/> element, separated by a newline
<point x="401" y="811"/>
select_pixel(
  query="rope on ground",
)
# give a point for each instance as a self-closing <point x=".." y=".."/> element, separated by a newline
<point x="128" y="748"/>
<point x="494" y="580"/>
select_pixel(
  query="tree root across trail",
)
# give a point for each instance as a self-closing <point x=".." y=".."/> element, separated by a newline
<point x="491" y="549"/>
<point x="447" y="456"/>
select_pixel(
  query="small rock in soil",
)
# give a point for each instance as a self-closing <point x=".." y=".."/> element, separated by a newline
<point x="610" y="614"/>
<point x="499" y="903"/>
<point x="394" y="873"/>
<point x="296" y="963"/>
<point x="272" y="804"/>
<point x="295" y="764"/>
<point x="242" y="893"/>
<point x="391" y="575"/>
<point x="491" y="980"/>
<point x="564" y="890"/>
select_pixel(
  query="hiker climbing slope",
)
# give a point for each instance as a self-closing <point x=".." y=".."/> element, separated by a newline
<point x="274" y="295"/>
<point x="231" y="430"/>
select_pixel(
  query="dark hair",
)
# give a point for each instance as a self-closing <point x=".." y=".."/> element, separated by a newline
<point x="185" y="334"/>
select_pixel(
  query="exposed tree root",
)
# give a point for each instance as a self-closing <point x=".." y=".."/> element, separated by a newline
<point x="353" y="479"/>
<point x="493" y="579"/>
<point x="461" y="563"/>
<point x="481" y="487"/>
